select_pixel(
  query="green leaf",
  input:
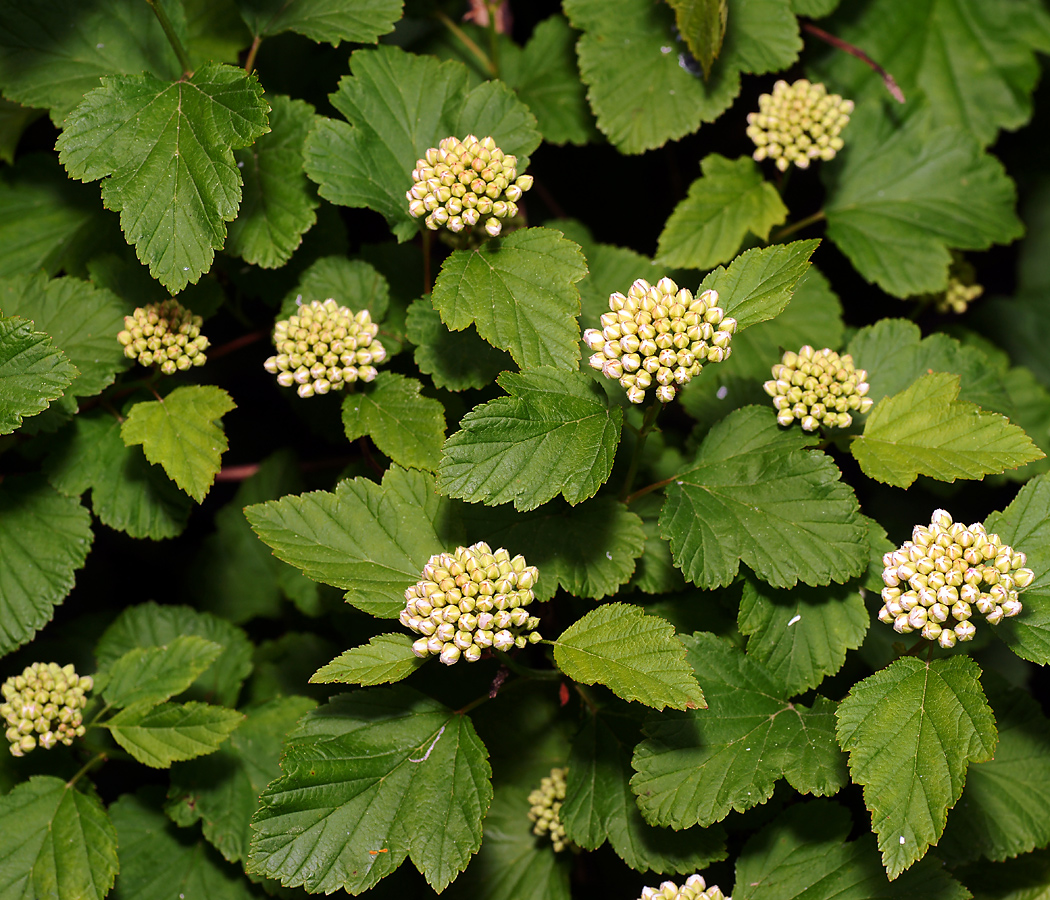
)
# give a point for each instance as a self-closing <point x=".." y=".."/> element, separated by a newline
<point x="353" y="282"/>
<point x="900" y="199"/>
<point x="910" y="731"/>
<point x="696" y="766"/>
<point x="279" y="203"/>
<point x="165" y="153"/>
<point x="454" y="360"/>
<point x="636" y="656"/>
<point x="554" y="434"/>
<point x="44" y="539"/>
<point x="655" y="572"/>
<point x="332" y="21"/>
<point x="222" y="790"/>
<point x="386" y="658"/>
<point x="815" y="9"/>
<point x="386" y="769"/>
<point x="754" y="494"/>
<point x="58" y="842"/>
<point x="731" y="200"/>
<point x="702" y="24"/>
<point x="925" y="430"/>
<point x="802" y="635"/>
<point x="182" y="432"/>
<point x="14" y="120"/>
<point x="32" y="372"/>
<point x="406" y="426"/>
<point x="520" y="293"/>
<point x="398" y="105"/>
<point x="160" y="735"/>
<point x="1024" y="878"/>
<point x="154" y="674"/>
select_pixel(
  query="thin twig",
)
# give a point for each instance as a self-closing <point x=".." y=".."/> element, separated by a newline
<point x="243" y="341"/>
<point x="887" y="78"/>
<point x="464" y="38"/>
<point x="648" y="421"/>
<point x="648" y="489"/>
<point x="789" y="230"/>
<point x="84" y="769"/>
<point x="237" y="473"/>
<point x="173" y="38"/>
<point x="249" y="63"/>
<point x="426" y="263"/>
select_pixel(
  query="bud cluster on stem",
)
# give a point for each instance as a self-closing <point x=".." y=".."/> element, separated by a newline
<point x="165" y="335"/>
<point x="962" y="288"/>
<point x="695" y="888"/>
<point x="818" y="387"/>
<point x="798" y="122"/>
<point x="44" y="706"/>
<point x="545" y="809"/>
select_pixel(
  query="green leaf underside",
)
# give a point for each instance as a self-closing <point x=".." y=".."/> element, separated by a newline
<point x="386" y="658"/>
<point x="637" y="656"/>
<point x="154" y="674"/>
<point x="160" y="735"/>
<point x="397" y="105"/>
<point x="182" y="432"/>
<point x="352" y="282"/>
<point x="696" y="766"/>
<point x="386" y="769"/>
<point x="331" y="21"/>
<point x="554" y="434"/>
<point x="702" y="24"/>
<point x="925" y="430"/>
<point x="731" y="200"/>
<point x="32" y="372"/>
<point x="407" y="427"/>
<point x="454" y="360"/>
<point x="44" y="539"/>
<point x="910" y="731"/>
<point x="520" y="293"/>
<point x="755" y="495"/>
<point x="222" y="789"/>
<point x="165" y="154"/>
<point x="58" y="842"/>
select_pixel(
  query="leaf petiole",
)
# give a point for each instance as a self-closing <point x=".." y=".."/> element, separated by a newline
<point x="173" y="38"/>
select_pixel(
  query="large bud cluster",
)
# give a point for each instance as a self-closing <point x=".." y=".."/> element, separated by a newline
<point x="659" y="336"/>
<point x="545" y="809"/>
<point x="463" y="183"/>
<point x="324" y="348"/>
<point x="818" y="387"/>
<point x="946" y="572"/>
<point x="469" y="600"/>
<point x="165" y="335"/>
<point x="798" y="122"/>
<point x="695" y="888"/>
<point x="44" y="705"/>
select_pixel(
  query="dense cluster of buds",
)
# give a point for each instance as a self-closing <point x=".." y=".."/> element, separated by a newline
<point x="44" y="705"/>
<point x="798" y="122"/>
<point x="937" y="581"/>
<point x="165" y="335"/>
<point x="695" y="888"/>
<point x="461" y="184"/>
<point x="659" y="336"/>
<point x="545" y="809"/>
<point x="469" y="600"/>
<point x="324" y="348"/>
<point x="818" y="387"/>
<point x="963" y="288"/>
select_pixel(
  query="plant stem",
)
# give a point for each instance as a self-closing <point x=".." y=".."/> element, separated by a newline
<point x="426" y="263"/>
<point x="465" y="40"/>
<point x="649" y="488"/>
<point x="474" y="704"/>
<point x="845" y="46"/>
<point x="789" y="230"/>
<point x="249" y="63"/>
<point x="648" y="421"/>
<point x="84" y="769"/>
<point x="494" y="38"/>
<point x="173" y="38"/>
<point x="524" y="671"/>
<point x="243" y="341"/>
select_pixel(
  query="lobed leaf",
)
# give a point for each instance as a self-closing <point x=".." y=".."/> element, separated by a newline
<point x="32" y="372"/>
<point x="454" y="360"/>
<point x="386" y="658"/>
<point x="157" y="736"/>
<point x="153" y="674"/>
<point x="332" y="21"/>
<point x="353" y="282"/>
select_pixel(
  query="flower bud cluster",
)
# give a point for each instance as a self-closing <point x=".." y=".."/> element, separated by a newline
<point x="937" y="581"/>
<point x="659" y="336"/>
<point x="545" y="809"/>
<point x="461" y="184"/>
<point x="963" y="288"/>
<point x="695" y="888"/>
<point x="165" y="335"/>
<point x="324" y="348"/>
<point x="469" y="600"/>
<point x="818" y="387"/>
<point x="44" y="705"/>
<point x="798" y="122"/>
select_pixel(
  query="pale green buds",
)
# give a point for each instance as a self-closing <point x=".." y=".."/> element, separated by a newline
<point x="165" y="335"/>
<point x="44" y="706"/>
<point x="695" y="888"/>
<point x="797" y="123"/>
<point x="818" y="387"/>
<point x="962" y="288"/>
<point x="545" y="808"/>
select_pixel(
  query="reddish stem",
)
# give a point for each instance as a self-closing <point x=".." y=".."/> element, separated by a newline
<point x="887" y="78"/>
<point x="230" y="346"/>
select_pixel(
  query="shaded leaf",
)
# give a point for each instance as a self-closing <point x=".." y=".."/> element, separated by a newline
<point x="702" y="23"/>
<point x="351" y="282"/>
<point x="153" y="674"/>
<point x="386" y="658"/>
<point x="360" y="21"/>
<point x="454" y="360"/>
<point x="655" y="572"/>
<point x="160" y="735"/>
<point x="32" y="372"/>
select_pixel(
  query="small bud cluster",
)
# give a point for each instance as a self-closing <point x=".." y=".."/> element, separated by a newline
<point x="464" y="183"/>
<point x="43" y="706"/>
<point x="659" y="335"/>
<point x="695" y="888"/>
<point x="469" y="600"/>
<point x="165" y="335"/>
<point x="545" y="809"/>
<point x="798" y="122"/>
<point x="324" y="348"/>
<point x="936" y="581"/>
<point x="962" y="287"/>
<point x="818" y="387"/>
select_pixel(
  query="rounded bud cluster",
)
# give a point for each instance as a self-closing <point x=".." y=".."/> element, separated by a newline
<point x="798" y="122"/>
<point x="695" y="888"/>
<point x="463" y="184"/>
<point x="963" y="288"/>
<point x="44" y="705"/>
<point x="818" y="387"/>
<point x="947" y="572"/>
<point x="469" y="600"/>
<point x="165" y="335"/>
<point x="545" y="809"/>
<point x="324" y="348"/>
<point x="659" y="336"/>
